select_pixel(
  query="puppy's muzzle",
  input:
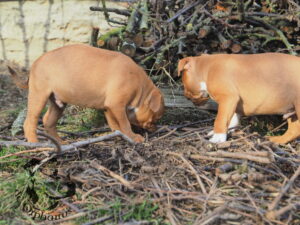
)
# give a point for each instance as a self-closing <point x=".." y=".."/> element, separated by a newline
<point x="150" y="127"/>
<point x="198" y="99"/>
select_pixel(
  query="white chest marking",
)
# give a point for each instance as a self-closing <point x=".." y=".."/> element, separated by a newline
<point x="235" y="121"/>
<point x="203" y="86"/>
<point x="133" y="108"/>
<point x="218" y="138"/>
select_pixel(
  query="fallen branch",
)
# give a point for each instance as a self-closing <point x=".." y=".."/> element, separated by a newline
<point x="106" y="15"/>
<point x="145" y="16"/>
<point x="68" y="147"/>
<point x="261" y="157"/>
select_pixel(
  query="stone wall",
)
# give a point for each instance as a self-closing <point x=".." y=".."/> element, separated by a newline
<point x="32" y="27"/>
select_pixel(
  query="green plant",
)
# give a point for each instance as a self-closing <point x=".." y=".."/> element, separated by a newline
<point x="121" y="211"/>
<point x="28" y="192"/>
<point x="78" y="119"/>
<point x="12" y="191"/>
<point x="12" y="163"/>
<point x="143" y="211"/>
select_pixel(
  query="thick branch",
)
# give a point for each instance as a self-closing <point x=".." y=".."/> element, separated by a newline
<point x="69" y="146"/>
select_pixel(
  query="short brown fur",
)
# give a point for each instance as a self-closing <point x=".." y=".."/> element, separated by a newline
<point x="95" y="78"/>
<point x="254" y="84"/>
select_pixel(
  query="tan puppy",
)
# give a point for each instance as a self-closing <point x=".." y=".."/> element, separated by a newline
<point x="95" y="78"/>
<point x="255" y="84"/>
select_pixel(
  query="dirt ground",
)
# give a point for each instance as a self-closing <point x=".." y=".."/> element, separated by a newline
<point x="186" y="179"/>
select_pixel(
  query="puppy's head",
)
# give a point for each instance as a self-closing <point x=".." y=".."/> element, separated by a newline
<point x="191" y="79"/>
<point x="149" y="112"/>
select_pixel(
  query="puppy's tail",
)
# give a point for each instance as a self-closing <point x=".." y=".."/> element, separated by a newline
<point x="19" y="82"/>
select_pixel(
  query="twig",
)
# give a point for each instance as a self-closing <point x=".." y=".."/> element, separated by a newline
<point x="26" y="151"/>
<point x="202" y="157"/>
<point x="52" y="139"/>
<point x="112" y="174"/>
<point x="183" y="11"/>
<point x="6" y="126"/>
<point x="85" y="133"/>
<point x="172" y="218"/>
<point x="71" y="217"/>
<point x="97" y="139"/>
<point x="276" y="201"/>
<point x="192" y="169"/>
<point x="180" y="126"/>
<point x="118" y="11"/>
<point x="212" y="216"/>
<point x="279" y="32"/>
<point x="273" y="215"/>
<point x="106" y="15"/>
<point x="166" y="135"/>
<point x="221" y="21"/>
<point x="99" y="220"/>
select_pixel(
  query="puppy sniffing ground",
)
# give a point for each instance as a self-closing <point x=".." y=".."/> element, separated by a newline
<point x="95" y="78"/>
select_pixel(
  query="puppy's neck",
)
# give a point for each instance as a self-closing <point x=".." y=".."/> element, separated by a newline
<point x="144" y="91"/>
<point x="203" y="63"/>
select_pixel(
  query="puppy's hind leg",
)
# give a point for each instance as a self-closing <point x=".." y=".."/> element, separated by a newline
<point x="51" y="117"/>
<point x="293" y="130"/>
<point x="36" y="102"/>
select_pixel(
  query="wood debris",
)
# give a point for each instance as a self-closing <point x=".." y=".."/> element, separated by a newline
<point x="159" y="33"/>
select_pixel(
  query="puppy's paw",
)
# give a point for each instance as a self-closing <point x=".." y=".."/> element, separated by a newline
<point x="277" y="139"/>
<point x="138" y="138"/>
<point x="218" y="138"/>
<point x="32" y="139"/>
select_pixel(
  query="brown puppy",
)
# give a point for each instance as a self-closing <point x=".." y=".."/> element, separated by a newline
<point x="254" y="84"/>
<point x="95" y="78"/>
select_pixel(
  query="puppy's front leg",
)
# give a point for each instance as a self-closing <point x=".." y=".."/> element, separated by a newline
<point x="226" y="109"/>
<point x="113" y="124"/>
<point x="117" y="119"/>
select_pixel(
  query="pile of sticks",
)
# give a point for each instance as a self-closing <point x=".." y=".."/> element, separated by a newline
<point x="248" y="180"/>
<point x="158" y="33"/>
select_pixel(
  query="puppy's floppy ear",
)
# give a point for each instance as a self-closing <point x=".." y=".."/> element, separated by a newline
<point x="20" y="83"/>
<point x="183" y="64"/>
<point x="155" y="100"/>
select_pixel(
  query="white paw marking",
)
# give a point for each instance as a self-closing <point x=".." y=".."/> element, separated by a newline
<point x="218" y="138"/>
<point x="203" y="86"/>
<point x="210" y="133"/>
<point x="235" y="121"/>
